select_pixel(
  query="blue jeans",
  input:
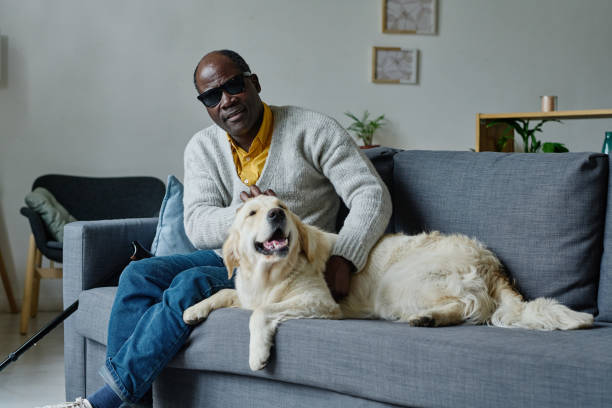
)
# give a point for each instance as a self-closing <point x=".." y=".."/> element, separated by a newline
<point x="146" y="327"/>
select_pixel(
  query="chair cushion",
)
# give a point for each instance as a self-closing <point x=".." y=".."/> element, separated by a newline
<point x="54" y="244"/>
<point x="460" y="366"/>
<point x="53" y="214"/>
<point x="170" y="237"/>
<point x="542" y="214"/>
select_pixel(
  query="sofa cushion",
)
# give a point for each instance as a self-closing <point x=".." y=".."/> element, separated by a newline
<point x="93" y="313"/>
<point x="170" y="236"/>
<point x="459" y="366"/>
<point x="542" y="214"/>
<point x="395" y="363"/>
<point x="604" y="295"/>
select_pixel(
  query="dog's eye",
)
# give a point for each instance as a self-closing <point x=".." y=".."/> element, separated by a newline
<point x="252" y="213"/>
<point x="283" y="207"/>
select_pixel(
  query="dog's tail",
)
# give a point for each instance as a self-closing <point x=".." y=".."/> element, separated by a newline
<point x="538" y="314"/>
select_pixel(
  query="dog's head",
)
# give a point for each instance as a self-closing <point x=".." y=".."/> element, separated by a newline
<point x="264" y="230"/>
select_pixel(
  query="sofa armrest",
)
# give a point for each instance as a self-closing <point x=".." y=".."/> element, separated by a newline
<point x="94" y="252"/>
<point x="97" y="251"/>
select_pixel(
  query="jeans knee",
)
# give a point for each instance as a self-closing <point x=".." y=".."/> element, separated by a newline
<point x="193" y="285"/>
<point x="134" y="274"/>
<point x="198" y="277"/>
<point x="188" y="275"/>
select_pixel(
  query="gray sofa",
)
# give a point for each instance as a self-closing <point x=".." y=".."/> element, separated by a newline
<point x="545" y="215"/>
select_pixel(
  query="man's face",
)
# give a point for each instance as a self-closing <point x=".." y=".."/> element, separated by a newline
<point x="236" y="114"/>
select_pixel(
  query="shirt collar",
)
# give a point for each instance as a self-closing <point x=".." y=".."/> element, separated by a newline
<point x="263" y="136"/>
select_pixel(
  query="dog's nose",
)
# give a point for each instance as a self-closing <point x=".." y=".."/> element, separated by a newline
<point x="276" y="215"/>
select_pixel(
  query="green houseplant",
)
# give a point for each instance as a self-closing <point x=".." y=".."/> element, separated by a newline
<point x="530" y="143"/>
<point x="363" y="128"/>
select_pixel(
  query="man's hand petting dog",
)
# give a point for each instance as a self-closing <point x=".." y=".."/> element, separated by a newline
<point x="338" y="269"/>
<point x="338" y="276"/>
<point x="254" y="192"/>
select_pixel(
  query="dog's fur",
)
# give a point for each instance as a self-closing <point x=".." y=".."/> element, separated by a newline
<point x="429" y="279"/>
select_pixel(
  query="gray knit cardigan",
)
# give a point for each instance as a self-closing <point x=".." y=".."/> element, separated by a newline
<point x="311" y="165"/>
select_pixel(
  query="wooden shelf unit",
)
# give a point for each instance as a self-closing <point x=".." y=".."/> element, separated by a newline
<point x="487" y="136"/>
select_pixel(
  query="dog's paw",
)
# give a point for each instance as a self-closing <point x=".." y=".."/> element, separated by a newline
<point x="421" y="321"/>
<point x="195" y="314"/>
<point x="258" y="357"/>
<point x="258" y="362"/>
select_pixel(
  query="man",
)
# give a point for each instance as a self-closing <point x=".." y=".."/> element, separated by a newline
<point x="304" y="157"/>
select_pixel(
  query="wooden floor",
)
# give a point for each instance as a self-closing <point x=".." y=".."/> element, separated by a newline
<point x="37" y="378"/>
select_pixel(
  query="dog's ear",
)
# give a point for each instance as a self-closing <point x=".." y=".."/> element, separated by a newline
<point x="308" y="242"/>
<point x="230" y="252"/>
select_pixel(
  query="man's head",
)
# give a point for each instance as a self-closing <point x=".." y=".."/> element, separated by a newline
<point x="239" y="114"/>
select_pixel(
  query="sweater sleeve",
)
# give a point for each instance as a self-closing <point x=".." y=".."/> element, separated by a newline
<point x="358" y="184"/>
<point x="207" y="216"/>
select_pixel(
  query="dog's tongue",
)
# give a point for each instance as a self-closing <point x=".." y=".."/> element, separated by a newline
<point x="275" y="244"/>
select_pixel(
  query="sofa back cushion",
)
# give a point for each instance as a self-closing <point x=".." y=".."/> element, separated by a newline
<point x="604" y="296"/>
<point x="542" y="214"/>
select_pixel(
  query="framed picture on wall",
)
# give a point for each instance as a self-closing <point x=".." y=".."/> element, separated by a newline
<point x="409" y="16"/>
<point x="394" y="65"/>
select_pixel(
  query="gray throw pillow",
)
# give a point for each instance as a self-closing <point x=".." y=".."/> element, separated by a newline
<point x="53" y="214"/>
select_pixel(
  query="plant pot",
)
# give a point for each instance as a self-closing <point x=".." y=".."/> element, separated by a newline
<point x="369" y="146"/>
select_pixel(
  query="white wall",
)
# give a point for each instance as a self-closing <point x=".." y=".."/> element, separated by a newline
<point x="87" y="83"/>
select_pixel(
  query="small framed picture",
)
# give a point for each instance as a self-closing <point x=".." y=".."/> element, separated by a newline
<point x="394" y="65"/>
<point x="409" y="16"/>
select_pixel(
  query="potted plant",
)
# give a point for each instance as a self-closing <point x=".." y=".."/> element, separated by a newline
<point x="530" y="143"/>
<point x="364" y="129"/>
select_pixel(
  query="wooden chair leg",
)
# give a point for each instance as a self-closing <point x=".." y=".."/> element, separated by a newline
<point x="7" y="286"/>
<point x="36" y="283"/>
<point x="26" y="302"/>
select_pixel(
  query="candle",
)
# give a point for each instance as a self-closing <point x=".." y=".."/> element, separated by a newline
<point x="549" y="103"/>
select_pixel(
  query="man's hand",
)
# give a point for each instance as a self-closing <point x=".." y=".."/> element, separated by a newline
<point x="254" y="192"/>
<point x="338" y="276"/>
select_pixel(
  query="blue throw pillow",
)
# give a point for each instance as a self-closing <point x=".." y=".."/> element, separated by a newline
<point x="170" y="237"/>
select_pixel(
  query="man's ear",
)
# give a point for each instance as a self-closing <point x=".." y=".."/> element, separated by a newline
<point x="308" y="241"/>
<point x="255" y="80"/>
<point x="230" y="252"/>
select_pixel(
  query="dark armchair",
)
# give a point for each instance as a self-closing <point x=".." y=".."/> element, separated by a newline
<point x="86" y="198"/>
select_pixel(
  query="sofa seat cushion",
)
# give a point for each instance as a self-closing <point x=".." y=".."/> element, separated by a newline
<point x="542" y="214"/>
<point x="398" y="364"/>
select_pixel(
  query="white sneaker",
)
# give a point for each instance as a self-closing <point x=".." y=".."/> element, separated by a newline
<point x="79" y="403"/>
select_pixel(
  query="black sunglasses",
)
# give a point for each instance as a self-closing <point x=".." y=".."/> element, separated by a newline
<point x="232" y="86"/>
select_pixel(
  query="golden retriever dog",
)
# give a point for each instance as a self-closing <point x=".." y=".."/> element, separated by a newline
<point x="429" y="279"/>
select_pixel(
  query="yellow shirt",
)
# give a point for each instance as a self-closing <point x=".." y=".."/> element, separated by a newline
<point x="249" y="165"/>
